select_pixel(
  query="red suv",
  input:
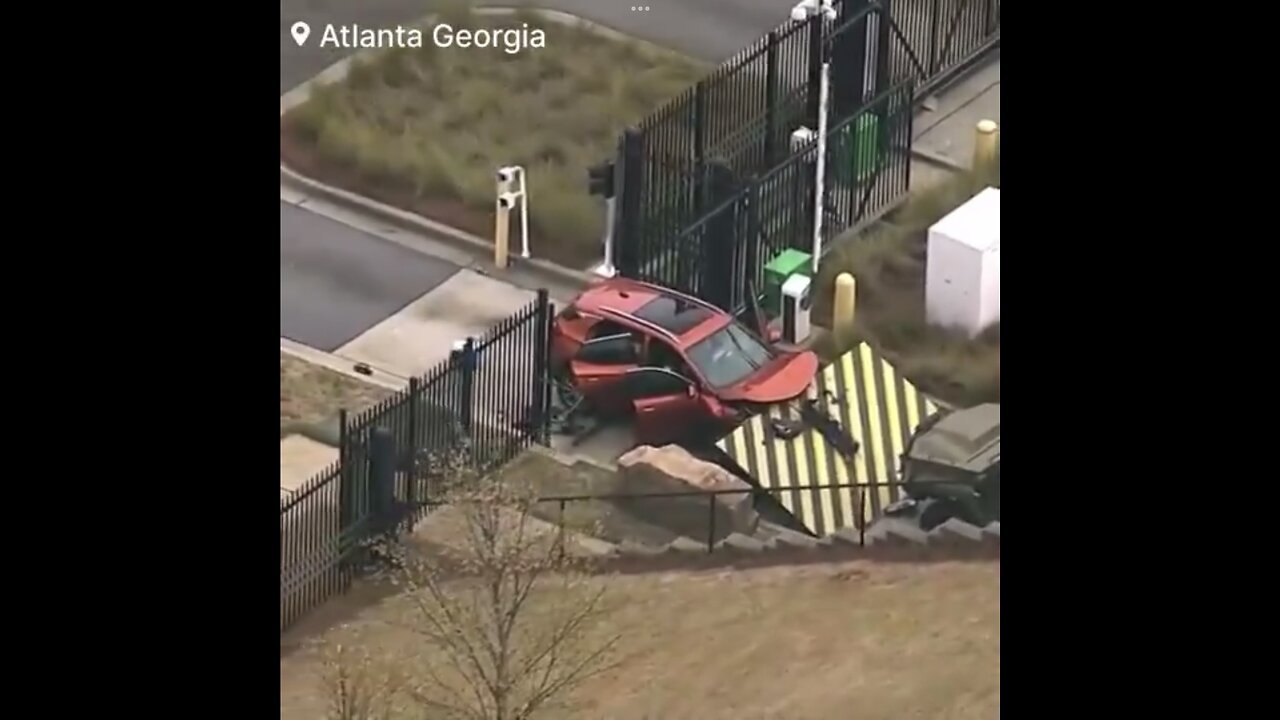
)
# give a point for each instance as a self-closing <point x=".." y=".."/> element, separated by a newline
<point x="680" y="365"/>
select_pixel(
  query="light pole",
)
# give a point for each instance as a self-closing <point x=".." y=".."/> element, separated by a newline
<point x="802" y="10"/>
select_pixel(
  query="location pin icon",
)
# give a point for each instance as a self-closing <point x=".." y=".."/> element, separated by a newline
<point x="300" y="32"/>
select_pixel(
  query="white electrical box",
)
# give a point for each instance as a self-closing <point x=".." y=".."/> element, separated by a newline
<point x="962" y="267"/>
<point x="795" y="308"/>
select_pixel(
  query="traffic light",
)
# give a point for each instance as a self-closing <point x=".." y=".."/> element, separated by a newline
<point x="600" y="179"/>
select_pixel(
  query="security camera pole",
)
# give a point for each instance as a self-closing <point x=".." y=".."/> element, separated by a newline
<point x="806" y="9"/>
<point x="507" y="199"/>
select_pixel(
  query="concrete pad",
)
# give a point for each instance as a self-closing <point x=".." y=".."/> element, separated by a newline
<point x="420" y="336"/>
<point x="301" y="459"/>
<point x="949" y="131"/>
<point x="604" y="446"/>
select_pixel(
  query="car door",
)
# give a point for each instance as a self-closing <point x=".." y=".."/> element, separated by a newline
<point x="599" y="371"/>
<point x="667" y="405"/>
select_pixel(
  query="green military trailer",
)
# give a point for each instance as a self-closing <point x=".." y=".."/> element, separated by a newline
<point x="951" y="469"/>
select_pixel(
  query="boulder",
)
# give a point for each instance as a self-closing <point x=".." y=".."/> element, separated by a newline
<point x="670" y="469"/>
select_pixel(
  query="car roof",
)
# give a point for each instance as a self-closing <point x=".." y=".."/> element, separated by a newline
<point x="681" y="316"/>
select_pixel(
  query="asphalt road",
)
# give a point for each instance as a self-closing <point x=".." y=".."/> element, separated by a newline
<point x="336" y="282"/>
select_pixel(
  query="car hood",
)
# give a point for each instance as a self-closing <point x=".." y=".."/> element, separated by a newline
<point x="783" y="379"/>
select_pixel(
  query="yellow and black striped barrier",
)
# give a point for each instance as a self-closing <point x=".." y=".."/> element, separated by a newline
<point x="875" y="405"/>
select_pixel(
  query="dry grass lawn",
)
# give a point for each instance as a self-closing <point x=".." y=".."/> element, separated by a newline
<point x="426" y="128"/>
<point x="888" y="261"/>
<point x="872" y="641"/>
<point x="310" y="393"/>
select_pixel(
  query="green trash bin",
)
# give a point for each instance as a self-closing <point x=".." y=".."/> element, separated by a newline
<point x="858" y="153"/>
<point x="776" y="272"/>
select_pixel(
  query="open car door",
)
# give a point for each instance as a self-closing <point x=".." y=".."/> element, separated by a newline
<point x="667" y="405"/>
<point x="599" y="372"/>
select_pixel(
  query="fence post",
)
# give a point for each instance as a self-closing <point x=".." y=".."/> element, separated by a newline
<point x="628" y="219"/>
<point x="935" y="21"/>
<point x="467" y="360"/>
<point x="815" y="67"/>
<point x="848" y="57"/>
<point x="541" y="368"/>
<point x="382" y="479"/>
<point x="345" y="491"/>
<point x="718" y="241"/>
<point x="883" y="39"/>
<point x="771" y="100"/>
<point x="411" y="475"/>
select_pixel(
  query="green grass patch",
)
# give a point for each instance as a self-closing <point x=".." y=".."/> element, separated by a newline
<point x="888" y="260"/>
<point x="425" y="129"/>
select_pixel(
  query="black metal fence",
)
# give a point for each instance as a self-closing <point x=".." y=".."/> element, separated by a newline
<point x="740" y="118"/>
<point x="709" y="516"/>
<point x="719" y="256"/>
<point x="706" y="516"/>
<point x="485" y="404"/>
<point x="934" y="40"/>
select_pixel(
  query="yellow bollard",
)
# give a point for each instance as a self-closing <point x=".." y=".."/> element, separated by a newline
<point x="984" y="147"/>
<point x="843" y="307"/>
<point x="502" y="227"/>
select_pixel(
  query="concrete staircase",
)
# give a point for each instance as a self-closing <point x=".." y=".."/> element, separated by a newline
<point x="888" y="533"/>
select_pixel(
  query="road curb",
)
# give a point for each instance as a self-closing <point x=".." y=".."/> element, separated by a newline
<point x="413" y="222"/>
<point x="343" y="366"/>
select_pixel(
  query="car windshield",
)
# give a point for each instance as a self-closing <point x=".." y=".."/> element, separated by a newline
<point x="729" y="355"/>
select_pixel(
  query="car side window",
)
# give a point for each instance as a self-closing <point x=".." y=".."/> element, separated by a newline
<point x="663" y="355"/>
<point x="610" y="350"/>
<point x="649" y="382"/>
<point x="605" y="328"/>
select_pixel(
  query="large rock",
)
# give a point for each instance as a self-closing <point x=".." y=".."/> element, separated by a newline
<point x="670" y="469"/>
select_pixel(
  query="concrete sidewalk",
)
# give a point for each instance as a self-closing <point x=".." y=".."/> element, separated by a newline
<point x="944" y="130"/>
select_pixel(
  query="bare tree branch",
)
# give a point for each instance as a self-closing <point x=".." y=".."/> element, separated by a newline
<point x="501" y="610"/>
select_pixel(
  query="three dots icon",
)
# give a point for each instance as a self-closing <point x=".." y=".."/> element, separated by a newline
<point x="639" y="8"/>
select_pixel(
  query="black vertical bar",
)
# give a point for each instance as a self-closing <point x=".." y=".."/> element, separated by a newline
<point x="883" y="38"/>
<point x="935" y="21"/>
<point x="815" y="67"/>
<point x="803" y="172"/>
<point x="415" y="389"/>
<point x="345" y="510"/>
<point x="716" y="285"/>
<point x="847" y="53"/>
<point x="750" y="247"/>
<point x="467" y="385"/>
<point x="382" y="476"/>
<point x="771" y="100"/>
<point x="905" y="110"/>
<point x="628" y="217"/>
<point x="537" y="419"/>
<point x="711" y="523"/>
<point x="544" y="430"/>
